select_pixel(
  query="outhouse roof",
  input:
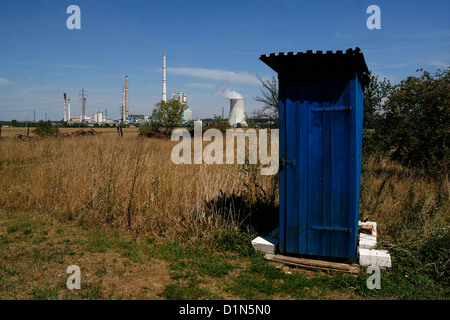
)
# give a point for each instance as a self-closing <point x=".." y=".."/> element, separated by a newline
<point x="318" y="65"/>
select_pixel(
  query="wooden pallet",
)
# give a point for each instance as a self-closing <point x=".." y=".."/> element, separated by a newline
<point x="313" y="264"/>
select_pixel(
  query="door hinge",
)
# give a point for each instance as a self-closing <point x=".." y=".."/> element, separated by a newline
<point x="284" y="162"/>
<point x="331" y="109"/>
<point x="324" y="228"/>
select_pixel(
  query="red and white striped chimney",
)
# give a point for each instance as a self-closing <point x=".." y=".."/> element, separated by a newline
<point x="65" y="107"/>
<point x="126" y="97"/>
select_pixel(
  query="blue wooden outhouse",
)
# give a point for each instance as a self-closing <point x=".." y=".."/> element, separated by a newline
<point x="321" y="102"/>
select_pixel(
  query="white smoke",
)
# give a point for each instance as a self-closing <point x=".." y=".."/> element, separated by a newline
<point x="224" y="92"/>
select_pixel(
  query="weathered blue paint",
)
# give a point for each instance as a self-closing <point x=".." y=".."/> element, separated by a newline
<point x="321" y="99"/>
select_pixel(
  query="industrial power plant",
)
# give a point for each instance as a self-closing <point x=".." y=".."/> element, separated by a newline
<point x="236" y="118"/>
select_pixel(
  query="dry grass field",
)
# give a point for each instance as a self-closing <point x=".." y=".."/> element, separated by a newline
<point x="117" y="199"/>
<point x="124" y="182"/>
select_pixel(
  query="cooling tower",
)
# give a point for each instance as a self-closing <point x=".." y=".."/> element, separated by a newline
<point x="237" y="115"/>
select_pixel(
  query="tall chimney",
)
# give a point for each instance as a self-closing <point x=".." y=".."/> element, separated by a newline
<point x="65" y="107"/>
<point x="68" y="111"/>
<point x="123" y="104"/>
<point x="126" y="97"/>
<point x="164" y="95"/>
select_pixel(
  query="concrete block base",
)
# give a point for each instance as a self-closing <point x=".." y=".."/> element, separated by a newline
<point x="367" y="253"/>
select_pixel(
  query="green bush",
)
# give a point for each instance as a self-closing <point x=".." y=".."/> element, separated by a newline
<point x="145" y="129"/>
<point x="166" y="116"/>
<point x="219" y="123"/>
<point x="46" y="128"/>
<point x="415" y="123"/>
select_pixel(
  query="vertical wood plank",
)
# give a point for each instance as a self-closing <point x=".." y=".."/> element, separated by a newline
<point x="303" y="168"/>
<point x="282" y="172"/>
<point x="355" y="136"/>
<point x="315" y="125"/>
<point x="339" y="174"/>
<point x="292" y="171"/>
<point x="353" y="155"/>
<point x="326" y="165"/>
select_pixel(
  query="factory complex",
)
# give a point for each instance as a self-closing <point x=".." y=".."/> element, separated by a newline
<point x="236" y="118"/>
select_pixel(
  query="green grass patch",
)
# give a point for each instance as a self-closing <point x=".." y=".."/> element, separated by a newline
<point x="187" y="291"/>
<point x="100" y="241"/>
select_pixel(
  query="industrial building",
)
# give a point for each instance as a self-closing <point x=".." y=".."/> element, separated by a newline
<point x="125" y="115"/>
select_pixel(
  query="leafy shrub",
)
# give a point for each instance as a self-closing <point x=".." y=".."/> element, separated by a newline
<point x="166" y="116"/>
<point x="415" y="124"/>
<point x="219" y="123"/>
<point x="46" y="128"/>
<point x="145" y="129"/>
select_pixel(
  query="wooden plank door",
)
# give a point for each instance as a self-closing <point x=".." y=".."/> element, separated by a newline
<point x="314" y="179"/>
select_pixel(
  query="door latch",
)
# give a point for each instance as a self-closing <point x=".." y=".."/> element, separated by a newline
<point x="284" y="162"/>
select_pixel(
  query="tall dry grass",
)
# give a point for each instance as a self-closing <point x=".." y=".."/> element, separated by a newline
<point x="131" y="183"/>
<point x="408" y="205"/>
<point x="126" y="182"/>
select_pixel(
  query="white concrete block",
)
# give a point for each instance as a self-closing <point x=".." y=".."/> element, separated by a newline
<point x="364" y="257"/>
<point x="266" y="244"/>
<point x="367" y="241"/>
<point x="366" y="252"/>
<point x="380" y="258"/>
<point x="373" y="257"/>
<point x="383" y="259"/>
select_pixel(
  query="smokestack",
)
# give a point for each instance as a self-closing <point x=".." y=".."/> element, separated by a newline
<point x="68" y="111"/>
<point x="164" y="95"/>
<point x="123" y="104"/>
<point x="65" y="107"/>
<point x="126" y="97"/>
<point x="83" y="97"/>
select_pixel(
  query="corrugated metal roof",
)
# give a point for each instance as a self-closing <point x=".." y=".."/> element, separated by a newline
<point x="319" y="65"/>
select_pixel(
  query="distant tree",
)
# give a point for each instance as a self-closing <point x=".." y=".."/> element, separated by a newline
<point x="14" y="123"/>
<point x="219" y="123"/>
<point x="269" y="98"/>
<point x="374" y="96"/>
<point x="166" y="116"/>
<point x="415" y="123"/>
<point x="46" y="128"/>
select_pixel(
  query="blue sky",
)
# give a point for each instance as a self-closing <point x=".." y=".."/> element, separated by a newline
<point x="209" y="44"/>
